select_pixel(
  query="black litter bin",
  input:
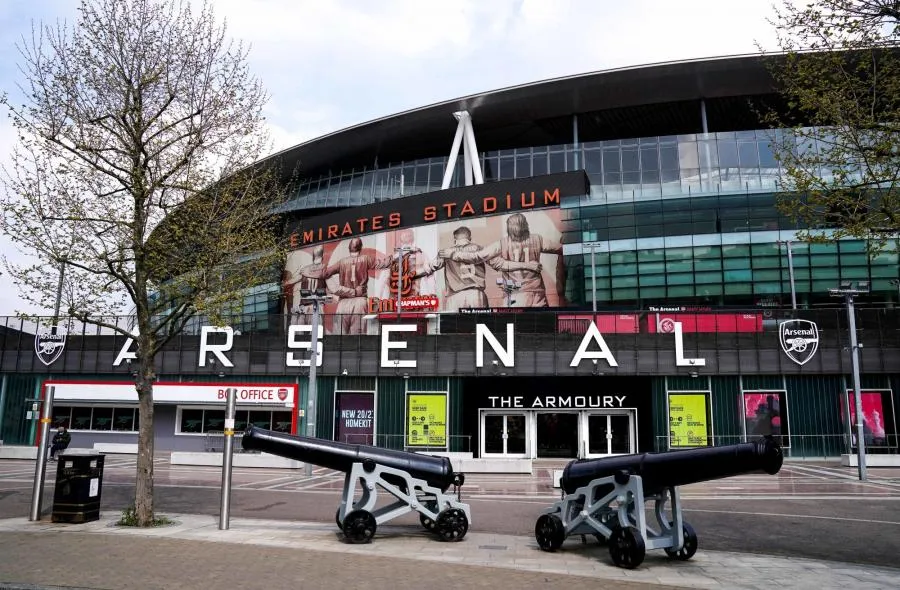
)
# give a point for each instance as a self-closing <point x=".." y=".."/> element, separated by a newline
<point x="79" y="483"/>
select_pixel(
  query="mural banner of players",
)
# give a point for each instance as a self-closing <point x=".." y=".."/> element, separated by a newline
<point x="765" y="413"/>
<point x="457" y="263"/>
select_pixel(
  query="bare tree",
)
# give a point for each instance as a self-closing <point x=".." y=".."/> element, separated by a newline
<point x="840" y="157"/>
<point x="134" y="172"/>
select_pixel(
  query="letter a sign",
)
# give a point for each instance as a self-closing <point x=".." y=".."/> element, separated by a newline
<point x="799" y="340"/>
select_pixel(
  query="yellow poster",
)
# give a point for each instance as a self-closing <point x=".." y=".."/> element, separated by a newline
<point x="687" y="420"/>
<point x="426" y="420"/>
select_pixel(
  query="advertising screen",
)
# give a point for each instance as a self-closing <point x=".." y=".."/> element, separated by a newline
<point x="354" y="417"/>
<point x="765" y="413"/>
<point x="446" y="266"/>
<point x="688" y="420"/>
<point x="426" y="420"/>
<point x="875" y="415"/>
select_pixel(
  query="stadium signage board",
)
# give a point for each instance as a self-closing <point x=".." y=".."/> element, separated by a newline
<point x="505" y="196"/>
<point x="592" y="348"/>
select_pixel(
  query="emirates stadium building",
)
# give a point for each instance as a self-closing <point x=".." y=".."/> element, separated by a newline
<point x="578" y="267"/>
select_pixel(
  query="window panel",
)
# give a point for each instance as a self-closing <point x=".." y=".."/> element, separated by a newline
<point x="711" y="264"/>
<point x="593" y="161"/>
<point x="619" y="281"/>
<point x="123" y="419"/>
<point x="62" y="416"/>
<point x="736" y="250"/>
<point x="652" y="267"/>
<point x="213" y="420"/>
<point x="261" y="419"/>
<point x="709" y="290"/>
<point x="281" y="421"/>
<point x="707" y="277"/>
<point x="738" y="288"/>
<point x="653" y="292"/>
<point x="652" y="280"/>
<point x="736" y="263"/>
<point x="685" y="291"/>
<point x="680" y="278"/>
<point x="191" y="421"/>
<point x="102" y="418"/>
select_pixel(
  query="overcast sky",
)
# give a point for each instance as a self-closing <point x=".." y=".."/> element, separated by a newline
<point x="329" y="64"/>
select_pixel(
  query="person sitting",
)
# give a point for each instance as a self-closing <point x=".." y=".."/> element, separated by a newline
<point x="60" y="441"/>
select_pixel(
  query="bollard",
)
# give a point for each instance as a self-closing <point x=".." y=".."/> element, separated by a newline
<point x="40" y="466"/>
<point x="227" y="451"/>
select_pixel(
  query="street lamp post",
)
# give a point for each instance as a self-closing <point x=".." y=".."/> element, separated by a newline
<point x="790" y="255"/>
<point x="308" y="296"/>
<point x="847" y="291"/>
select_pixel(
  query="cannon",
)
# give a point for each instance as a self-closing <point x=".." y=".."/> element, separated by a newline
<point x="418" y="482"/>
<point x="605" y="497"/>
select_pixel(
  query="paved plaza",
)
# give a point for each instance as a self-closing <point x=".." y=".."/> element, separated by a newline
<point x="282" y="532"/>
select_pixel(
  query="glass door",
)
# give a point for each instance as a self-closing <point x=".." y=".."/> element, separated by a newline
<point x="610" y="434"/>
<point x="503" y="434"/>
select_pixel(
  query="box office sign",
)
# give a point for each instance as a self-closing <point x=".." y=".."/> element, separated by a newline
<point x="426" y="419"/>
<point x="179" y="393"/>
<point x="564" y="401"/>
<point x="354" y="417"/>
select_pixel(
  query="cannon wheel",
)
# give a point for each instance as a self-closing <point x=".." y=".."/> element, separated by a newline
<point x="549" y="532"/>
<point x="337" y="519"/>
<point x="427" y="522"/>
<point x="359" y="526"/>
<point x="689" y="548"/>
<point x="626" y="547"/>
<point x="452" y="524"/>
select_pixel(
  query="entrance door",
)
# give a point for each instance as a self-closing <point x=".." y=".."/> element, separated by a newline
<point x="610" y="434"/>
<point x="557" y="434"/>
<point x="503" y="434"/>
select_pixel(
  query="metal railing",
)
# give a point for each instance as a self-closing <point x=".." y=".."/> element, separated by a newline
<point x="801" y="446"/>
<point x="215" y="442"/>
<point x="456" y="443"/>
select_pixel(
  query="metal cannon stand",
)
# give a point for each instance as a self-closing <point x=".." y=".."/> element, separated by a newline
<point x="439" y="512"/>
<point x="612" y="509"/>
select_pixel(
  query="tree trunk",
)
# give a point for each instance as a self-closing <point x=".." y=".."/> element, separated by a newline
<point x="143" y="488"/>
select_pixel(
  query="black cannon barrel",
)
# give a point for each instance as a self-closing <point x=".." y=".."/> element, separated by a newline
<point x="680" y="467"/>
<point x="437" y="471"/>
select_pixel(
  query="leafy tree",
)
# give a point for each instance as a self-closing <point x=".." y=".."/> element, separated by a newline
<point x="840" y="151"/>
<point x="134" y="173"/>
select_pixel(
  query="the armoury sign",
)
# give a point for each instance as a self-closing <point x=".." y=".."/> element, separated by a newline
<point x="505" y="353"/>
<point x="465" y="202"/>
<point x="799" y="340"/>
<point x="557" y="400"/>
<point x="49" y="344"/>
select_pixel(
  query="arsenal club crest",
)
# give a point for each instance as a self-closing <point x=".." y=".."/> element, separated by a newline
<point x="49" y="344"/>
<point x="799" y="340"/>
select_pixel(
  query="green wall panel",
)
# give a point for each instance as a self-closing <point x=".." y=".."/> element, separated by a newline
<point x="658" y="405"/>
<point x="391" y="411"/>
<point x="324" y="407"/>
<point x="814" y="416"/>
<point x="762" y="382"/>
<point x="458" y="442"/>
<point x="726" y="410"/>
